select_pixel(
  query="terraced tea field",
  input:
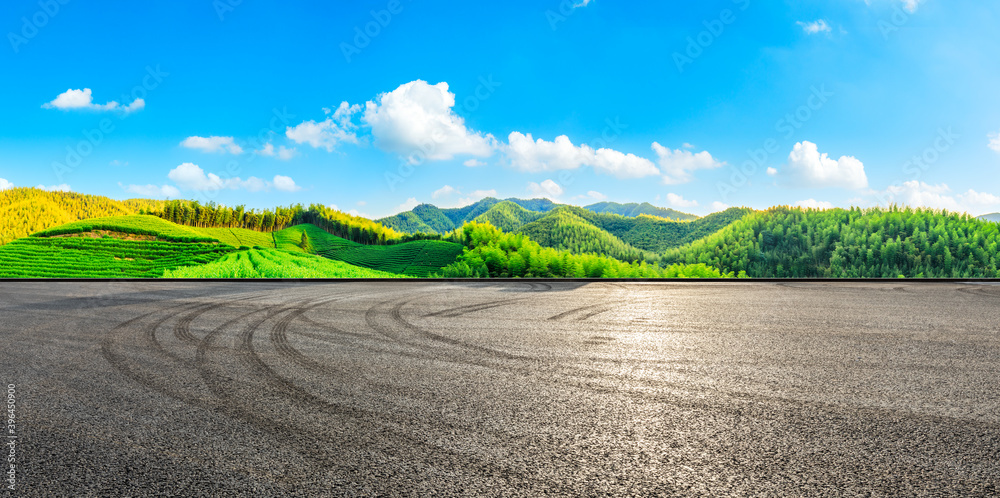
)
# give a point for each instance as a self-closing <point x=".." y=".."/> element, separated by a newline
<point x="273" y="263"/>
<point x="420" y="258"/>
<point x="75" y="257"/>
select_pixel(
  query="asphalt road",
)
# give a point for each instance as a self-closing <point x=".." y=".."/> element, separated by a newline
<point x="315" y="389"/>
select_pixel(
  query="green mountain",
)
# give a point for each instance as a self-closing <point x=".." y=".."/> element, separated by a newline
<point x="633" y="210"/>
<point x="427" y="218"/>
<point x="563" y="228"/>
<point x="795" y="242"/>
<point x="508" y="216"/>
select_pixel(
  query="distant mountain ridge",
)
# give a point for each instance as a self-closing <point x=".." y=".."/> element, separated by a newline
<point x="994" y="217"/>
<point x="428" y="218"/>
<point x="633" y="210"/>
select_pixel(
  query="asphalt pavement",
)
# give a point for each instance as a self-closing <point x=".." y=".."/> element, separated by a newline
<point x="497" y="389"/>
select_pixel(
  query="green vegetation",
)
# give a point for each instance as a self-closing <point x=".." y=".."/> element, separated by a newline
<point x="795" y="242"/>
<point x="491" y="253"/>
<point x="193" y="213"/>
<point x="77" y="257"/>
<point x="135" y="225"/>
<point x="272" y="263"/>
<point x="654" y="234"/>
<point x="508" y="216"/>
<point x="25" y="211"/>
<point x="633" y="210"/>
<point x="427" y="218"/>
<point x="420" y="258"/>
<point x="237" y="237"/>
<point x="565" y="230"/>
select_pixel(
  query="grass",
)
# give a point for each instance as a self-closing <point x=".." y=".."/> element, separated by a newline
<point x="416" y="259"/>
<point x="272" y="263"/>
<point x="72" y="257"/>
<point x="237" y="237"/>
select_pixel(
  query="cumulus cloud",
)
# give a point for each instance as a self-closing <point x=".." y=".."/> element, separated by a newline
<point x="678" y="165"/>
<point x="62" y="187"/>
<point x="407" y="205"/>
<point x="281" y="152"/>
<point x="582" y="3"/>
<point x="190" y="176"/>
<point x="678" y="201"/>
<point x="817" y="26"/>
<point x="472" y="163"/>
<point x="548" y="188"/>
<point x="814" y="204"/>
<point x="212" y="144"/>
<point x="84" y="100"/>
<point x="416" y="120"/>
<point x="994" y="141"/>
<point x="336" y="129"/>
<point x="592" y="195"/>
<point x="4" y="184"/>
<point x="919" y="194"/>
<point x="772" y="171"/>
<point x="152" y="190"/>
<point x="719" y="206"/>
<point x="527" y="154"/>
<point x="445" y="191"/>
<point x="809" y="167"/>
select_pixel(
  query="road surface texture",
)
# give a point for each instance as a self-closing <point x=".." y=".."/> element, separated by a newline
<point x="436" y="389"/>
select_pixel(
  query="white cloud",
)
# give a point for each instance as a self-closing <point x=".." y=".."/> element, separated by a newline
<point x="281" y="152"/>
<point x="62" y="187"/>
<point x="475" y="196"/>
<point x="994" y="141"/>
<point x="809" y="167"/>
<point x="408" y="205"/>
<point x="416" y="121"/>
<point x="152" y="190"/>
<point x="919" y="194"/>
<point x="911" y="5"/>
<point x="678" y="201"/>
<point x="548" y="188"/>
<point x="190" y="176"/>
<point x="444" y="191"/>
<point x="362" y="203"/>
<point x="329" y="133"/>
<point x="84" y="100"/>
<point x="814" y="204"/>
<point x="583" y="3"/>
<point x="4" y="184"/>
<point x="212" y="144"/>
<point x="817" y="26"/>
<point x="285" y="184"/>
<point x="771" y="171"/>
<point x="527" y="154"/>
<point x="472" y="163"/>
<point x="678" y="165"/>
<point x="592" y="195"/>
<point x="719" y="206"/>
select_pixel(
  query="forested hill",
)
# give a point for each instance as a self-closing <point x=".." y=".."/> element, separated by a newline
<point x="633" y="210"/>
<point x="428" y="218"/>
<point x="795" y="242"/>
<point x="24" y="211"/>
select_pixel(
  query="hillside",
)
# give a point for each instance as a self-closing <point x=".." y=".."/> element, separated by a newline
<point x="994" y="217"/>
<point x="272" y="263"/>
<point x="420" y="258"/>
<point x="24" y="211"/>
<point x="508" y="216"/>
<point x="795" y="242"/>
<point x="655" y="234"/>
<point x="633" y="210"/>
<point x="427" y="218"/>
<point x="565" y="229"/>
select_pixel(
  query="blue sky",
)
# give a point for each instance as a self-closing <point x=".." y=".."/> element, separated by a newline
<point x="376" y="106"/>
